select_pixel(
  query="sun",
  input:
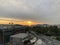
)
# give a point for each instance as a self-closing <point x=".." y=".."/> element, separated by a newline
<point x="29" y="23"/>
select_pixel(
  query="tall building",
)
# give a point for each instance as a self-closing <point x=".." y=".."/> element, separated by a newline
<point x="7" y="30"/>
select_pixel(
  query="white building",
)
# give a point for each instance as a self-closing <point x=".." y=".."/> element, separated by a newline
<point x="18" y="39"/>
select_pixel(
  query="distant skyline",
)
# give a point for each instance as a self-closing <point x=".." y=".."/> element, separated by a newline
<point x="18" y="21"/>
<point x="42" y="11"/>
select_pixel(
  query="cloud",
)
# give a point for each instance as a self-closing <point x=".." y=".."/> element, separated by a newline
<point x="36" y="10"/>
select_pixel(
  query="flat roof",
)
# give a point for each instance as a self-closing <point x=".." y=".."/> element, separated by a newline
<point x="20" y="35"/>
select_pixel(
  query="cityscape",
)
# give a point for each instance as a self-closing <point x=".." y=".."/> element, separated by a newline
<point x="29" y="22"/>
<point x="39" y="34"/>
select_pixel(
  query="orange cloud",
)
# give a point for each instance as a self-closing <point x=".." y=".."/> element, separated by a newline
<point x="17" y="21"/>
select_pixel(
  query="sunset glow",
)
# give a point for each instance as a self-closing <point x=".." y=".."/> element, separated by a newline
<point x="29" y="23"/>
<point x="17" y="21"/>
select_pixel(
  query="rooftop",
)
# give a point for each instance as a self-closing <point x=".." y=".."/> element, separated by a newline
<point x="20" y="35"/>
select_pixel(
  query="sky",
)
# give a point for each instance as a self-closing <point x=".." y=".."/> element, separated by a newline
<point x="43" y="11"/>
